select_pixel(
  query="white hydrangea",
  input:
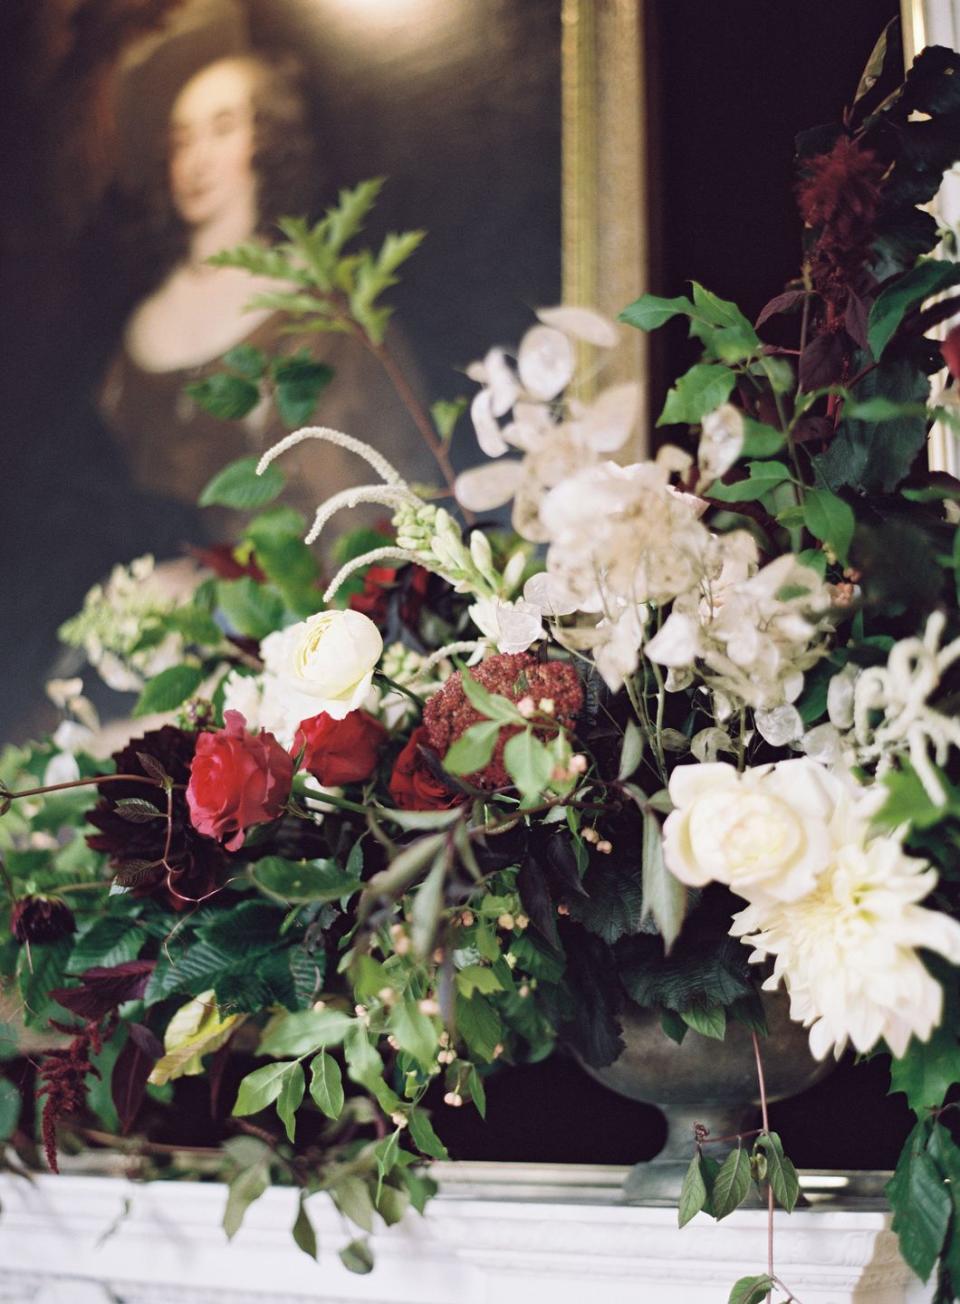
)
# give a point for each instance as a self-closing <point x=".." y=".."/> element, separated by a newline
<point x="752" y="637"/>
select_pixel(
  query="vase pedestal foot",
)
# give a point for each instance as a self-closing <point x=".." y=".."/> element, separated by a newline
<point x="658" y="1181"/>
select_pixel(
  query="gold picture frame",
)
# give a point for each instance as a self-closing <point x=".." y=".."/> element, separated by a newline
<point x="606" y="236"/>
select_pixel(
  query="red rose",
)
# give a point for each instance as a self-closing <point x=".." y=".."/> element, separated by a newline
<point x="340" y="751"/>
<point x="237" y="779"/>
<point x="382" y="581"/>
<point x="412" y="785"/>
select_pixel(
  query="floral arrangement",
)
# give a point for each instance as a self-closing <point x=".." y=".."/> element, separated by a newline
<point x="683" y="734"/>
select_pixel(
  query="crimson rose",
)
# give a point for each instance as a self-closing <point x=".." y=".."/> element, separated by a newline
<point x="412" y="785"/>
<point x="237" y="779"/>
<point x="340" y="751"/>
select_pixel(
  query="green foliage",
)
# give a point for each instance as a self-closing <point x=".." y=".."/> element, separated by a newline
<point x="301" y="1032"/>
<point x="664" y="896"/>
<point x="424" y="1137"/>
<point x="227" y="397"/>
<point x="446" y="413"/>
<point x="928" y="1070"/>
<point x="693" y="1192"/>
<point x="298" y="382"/>
<point x="168" y="689"/>
<point x="11" y="1103"/>
<point x="529" y="764"/>
<point x="303" y="881"/>
<point x="873" y="456"/>
<point x="829" y="519"/>
<point x="473" y="749"/>
<point x="709" y="1021"/>
<point x="920" y="1202"/>
<point x="698" y="391"/>
<point x="650" y="311"/>
<point x="751" y="1290"/>
<point x="781" y="1173"/>
<point x="239" y="486"/>
<point x="326" y="1085"/>
<point x="929" y="277"/>
<point x="248" y="1176"/>
<point x="731" y="1184"/>
<point x="762" y="477"/>
<point x="253" y="609"/>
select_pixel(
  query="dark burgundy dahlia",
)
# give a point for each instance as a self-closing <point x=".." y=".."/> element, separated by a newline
<point x="195" y="865"/>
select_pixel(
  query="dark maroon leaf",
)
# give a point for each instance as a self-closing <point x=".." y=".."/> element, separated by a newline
<point x="135" y="873"/>
<point x="781" y="303"/>
<point x="152" y="766"/>
<point x="137" y="811"/>
<point x="821" y="362"/>
<point x="102" y="990"/>
<point x="536" y="900"/>
<point x="855" y="320"/>
<point x="128" y="1082"/>
<point x="809" y="429"/>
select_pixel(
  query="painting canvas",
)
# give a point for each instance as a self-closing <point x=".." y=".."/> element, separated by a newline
<point x="146" y="138"/>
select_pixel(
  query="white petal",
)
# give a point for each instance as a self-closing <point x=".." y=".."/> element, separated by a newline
<point x="582" y="324"/>
<point x="501" y="382"/>
<point x="779" y="726"/>
<point x="549" y="596"/>
<point x="484" y="487"/>
<point x="545" y="362"/>
<point x="485" y="424"/>
<point x="677" y="642"/>
<point x="610" y="418"/>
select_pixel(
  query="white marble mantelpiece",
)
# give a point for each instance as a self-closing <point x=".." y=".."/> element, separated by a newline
<point x="497" y="1234"/>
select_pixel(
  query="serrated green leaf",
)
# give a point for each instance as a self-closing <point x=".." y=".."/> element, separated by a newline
<point x="107" y="942"/>
<point x="928" y="1070"/>
<point x="424" y="1137"/>
<point x="699" y="391"/>
<point x="239" y="486"/>
<point x="291" y="1094"/>
<point x="693" y="1192"/>
<point x="168" y="689"/>
<point x="829" y="519"/>
<point x="252" y="609"/>
<point x="473" y="749"/>
<point x="247" y="360"/>
<point x="261" y="1088"/>
<point x="731" y="1184"/>
<point x="299" y="381"/>
<point x="304" y="1236"/>
<point x="326" y="1085"/>
<point x="478" y="978"/>
<point x="229" y="398"/>
<point x="650" y="311"/>
<point x="920" y="1202"/>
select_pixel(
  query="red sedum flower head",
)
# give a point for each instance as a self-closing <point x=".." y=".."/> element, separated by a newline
<point x="512" y="675"/>
<point x="237" y="779"/>
<point x="340" y="751"/>
<point x="413" y="785"/>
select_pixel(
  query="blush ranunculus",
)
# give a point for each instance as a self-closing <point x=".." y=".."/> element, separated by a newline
<point x="412" y="784"/>
<point x="237" y="779"/>
<point x="340" y="751"/>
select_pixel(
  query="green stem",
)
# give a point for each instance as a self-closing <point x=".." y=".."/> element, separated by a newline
<point x="81" y="783"/>
<point x="381" y="678"/>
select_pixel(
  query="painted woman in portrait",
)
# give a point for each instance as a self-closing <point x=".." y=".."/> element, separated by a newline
<point x="237" y="155"/>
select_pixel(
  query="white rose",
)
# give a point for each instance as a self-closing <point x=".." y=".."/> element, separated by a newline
<point x="766" y="833"/>
<point x="328" y="659"/>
